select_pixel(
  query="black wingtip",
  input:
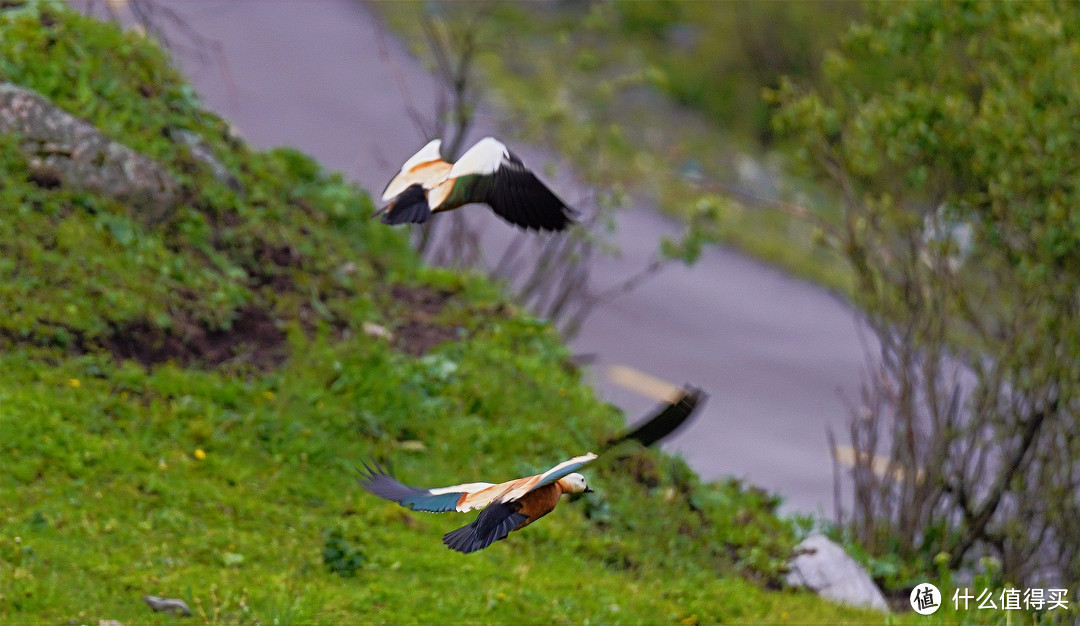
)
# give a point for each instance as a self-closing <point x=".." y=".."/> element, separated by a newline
<point x="370" y="475"/>
<point x="519" y="197"/>
<point x="562" y="220"/>
<point x="555" y="217"/>
<point x="377" y="481"/>
<point x="667" y="418"/>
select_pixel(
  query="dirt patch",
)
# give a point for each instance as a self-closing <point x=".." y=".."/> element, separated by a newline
<point x="641" y="467"/>
<point x="253" y="339"/>
<point x="272" y="266"/>
<point x="417" y="333"/>
<point x="416" y="337"/>
<point x="421" y="301"/>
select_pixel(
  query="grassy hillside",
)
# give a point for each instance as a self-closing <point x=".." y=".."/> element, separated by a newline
<point x="183" y="403"/>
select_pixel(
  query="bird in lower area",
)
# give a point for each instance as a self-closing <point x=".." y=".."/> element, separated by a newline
<point x="514" y="504"/>
<point x="487" y="173"/>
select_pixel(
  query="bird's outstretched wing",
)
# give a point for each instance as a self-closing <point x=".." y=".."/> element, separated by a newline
<point x="406" y="193"/>
<point x="425" y="167"/>
<point x="518" y="196"/>
<point x="454" y="498"/>
<point x="489" y="173"/>
<point x="522" y="486"/>
<point x="667" y="418"/>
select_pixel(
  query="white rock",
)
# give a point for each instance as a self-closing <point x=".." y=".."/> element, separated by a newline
<point x="823" y="566"/>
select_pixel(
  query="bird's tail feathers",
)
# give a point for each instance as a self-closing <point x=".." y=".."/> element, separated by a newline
<point x="493" y="523"/>
<point x="410" y="206"/>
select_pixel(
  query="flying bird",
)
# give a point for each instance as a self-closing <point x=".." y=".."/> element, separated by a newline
<point x="487" y="173"/>
<point x="514" y="504"/>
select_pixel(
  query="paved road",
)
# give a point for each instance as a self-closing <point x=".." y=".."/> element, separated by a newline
<point x="773" y="351"/>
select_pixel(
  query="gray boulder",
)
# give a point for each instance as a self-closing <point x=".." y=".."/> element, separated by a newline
<point x="65" y="151"/>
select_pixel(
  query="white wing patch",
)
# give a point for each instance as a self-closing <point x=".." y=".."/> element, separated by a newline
<point x="428" y="153"/>
<point x="465" y="488"/>
<point x="483" y="158"/>
<point x="585" y="458"/>
<point x="521" y="490"/>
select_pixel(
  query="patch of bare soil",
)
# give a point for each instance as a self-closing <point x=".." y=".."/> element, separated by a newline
<point x="417" y="333"/>
<point x="253" y="339"/>
<point x="416" y="337"/>
<point x="272" y="264"/>
<point x="641" y="467"/>
<point x="421" y="300"/>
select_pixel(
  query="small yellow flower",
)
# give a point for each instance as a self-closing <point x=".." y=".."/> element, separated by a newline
<point x="75" y="383"/>
<point x="269" y="395"/>
<point x="199" y="454"/>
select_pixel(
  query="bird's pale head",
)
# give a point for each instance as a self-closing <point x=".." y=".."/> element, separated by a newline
<point x="574" y="483"/>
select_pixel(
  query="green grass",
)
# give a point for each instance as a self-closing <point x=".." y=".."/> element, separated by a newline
<point x="228" y="479"/>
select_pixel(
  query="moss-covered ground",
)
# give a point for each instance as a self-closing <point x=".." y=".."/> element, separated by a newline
<point x="183" y="404"/>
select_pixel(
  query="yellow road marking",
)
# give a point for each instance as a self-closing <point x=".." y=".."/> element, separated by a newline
<point x="640" y="382"/>
<point x="881" y="465"/>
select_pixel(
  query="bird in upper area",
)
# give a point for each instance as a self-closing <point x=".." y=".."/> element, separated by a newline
<point x="487" y="173"/>
<point x="514" y="504"/>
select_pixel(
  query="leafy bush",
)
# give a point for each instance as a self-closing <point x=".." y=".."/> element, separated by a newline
<point x="339" y="555"/>
<point x="952" y="137"/>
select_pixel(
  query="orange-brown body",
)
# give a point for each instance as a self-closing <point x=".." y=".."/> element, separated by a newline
<point x="539" y="502"/>
<point x="430" y="175"/>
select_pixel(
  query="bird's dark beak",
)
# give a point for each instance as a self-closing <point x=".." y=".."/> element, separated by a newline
<point x="589" y="490"/>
